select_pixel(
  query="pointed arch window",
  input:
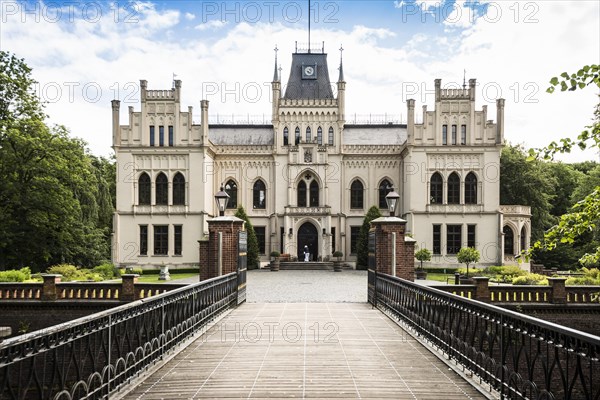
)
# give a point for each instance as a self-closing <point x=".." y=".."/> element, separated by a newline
<point x="330" y="136"/>
<point x="297" y="136"/>
<point x="302" y="194"/>
<point x="320" y="136"/>
<point x="308" y="135"/>
<point x="523" y="239"/>
<point x="384" y="188"/>
<point x="231" y="189"/>
<point x="162" y="190"/>
<point x="471" y="189"/>
<point x="436" y="189"/>
<point x="259" y="195"/>
<point x="509" y="240"/>
<point x="286" y="139"/>
<point x="314" y="194"/>
<point x="178" y="189"/>
<point x="144" y="189"/>
<point x="357" y="194"/>
<point x="453" y="189"/>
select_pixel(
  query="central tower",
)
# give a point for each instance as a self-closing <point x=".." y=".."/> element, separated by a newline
<point x="308" y="123"/>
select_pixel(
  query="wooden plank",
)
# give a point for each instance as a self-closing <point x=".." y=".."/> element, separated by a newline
<point x="305" y="350"/>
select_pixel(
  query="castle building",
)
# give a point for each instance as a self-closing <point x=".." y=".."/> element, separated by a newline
<point x="309" y="177"/>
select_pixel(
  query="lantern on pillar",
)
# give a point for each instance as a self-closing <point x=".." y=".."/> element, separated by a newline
<point x="392" y="201"/>
<point x="221" y="198"/>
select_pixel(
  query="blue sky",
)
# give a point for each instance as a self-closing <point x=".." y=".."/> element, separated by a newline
<point x="85" y="53"/>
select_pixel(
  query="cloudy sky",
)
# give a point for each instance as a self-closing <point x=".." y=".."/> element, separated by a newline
<point x="86" y="53"/>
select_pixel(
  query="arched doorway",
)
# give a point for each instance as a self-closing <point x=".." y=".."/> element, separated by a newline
<point x="308" y="236"/>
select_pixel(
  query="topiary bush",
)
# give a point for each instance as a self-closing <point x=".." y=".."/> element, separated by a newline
<point x="531" y="279"/>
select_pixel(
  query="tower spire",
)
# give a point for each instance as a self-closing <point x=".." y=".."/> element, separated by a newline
<point x="341" y="77"/>
<point x="309" y="26"/>
<point x="275" y="73"/>
<point x="464" y="79"/>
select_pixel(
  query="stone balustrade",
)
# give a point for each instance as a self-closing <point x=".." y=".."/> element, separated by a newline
<point x="555" y="293"/>
<point x="52" y="289"/>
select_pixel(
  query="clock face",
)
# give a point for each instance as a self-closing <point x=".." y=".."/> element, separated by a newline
<point x="309" y="72"/>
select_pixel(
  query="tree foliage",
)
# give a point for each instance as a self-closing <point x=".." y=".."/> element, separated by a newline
<point x="55" y="199"/>
<point x="423" y="255"/>
<point x="527" y="183"/>
<point x="252" y="256"/>
<point x="584" y="216"/>
<point x="468" y="255"/>
<point x="362" y="245"/>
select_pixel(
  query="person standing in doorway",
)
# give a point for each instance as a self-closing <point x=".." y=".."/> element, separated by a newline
<point x="306" y="254"/>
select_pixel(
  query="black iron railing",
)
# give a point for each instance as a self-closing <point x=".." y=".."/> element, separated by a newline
<point x="518" y="356"/>
<point x="94" y="356"/>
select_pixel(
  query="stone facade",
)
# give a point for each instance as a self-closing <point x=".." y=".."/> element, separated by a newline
<point x="309" y="177"/>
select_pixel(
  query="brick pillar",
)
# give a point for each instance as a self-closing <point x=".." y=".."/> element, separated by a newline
<point x="128" y="287"/>
<point x="49" y="291"/>
<point x="405" y="247"/>
<point x="559" y="293"/>
<point x="229" y="227"/>
<point x="482" y="288"/>
<point x="203" y="253"/>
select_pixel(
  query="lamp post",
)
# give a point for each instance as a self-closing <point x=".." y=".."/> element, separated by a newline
<point x="222" y="198"/>
<point x="392" y="201"/>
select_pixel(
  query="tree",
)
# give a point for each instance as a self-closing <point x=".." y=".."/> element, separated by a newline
<point x="252" y="257"/>
<point x="585" y="214"/>
<point x="527" y="183"/>
<point x="423" y="255"/>
<point x="362" y="245"/>
<point x="54" y="206"/>
<point x="467" y="255"/>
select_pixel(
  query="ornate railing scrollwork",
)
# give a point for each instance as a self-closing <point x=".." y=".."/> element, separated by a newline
<point x="518" y="356"/>
<point x="94" y="356"/>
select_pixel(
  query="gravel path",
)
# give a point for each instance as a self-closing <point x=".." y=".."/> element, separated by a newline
<point x="264" y="286"/>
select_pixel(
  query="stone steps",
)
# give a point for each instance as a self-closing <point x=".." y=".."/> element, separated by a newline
<point x="305" y="266"/>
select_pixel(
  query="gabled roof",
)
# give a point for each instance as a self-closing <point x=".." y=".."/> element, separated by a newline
<point x="298" y="88"/>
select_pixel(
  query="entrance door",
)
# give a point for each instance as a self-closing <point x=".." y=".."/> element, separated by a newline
<point x="308" y="236"/>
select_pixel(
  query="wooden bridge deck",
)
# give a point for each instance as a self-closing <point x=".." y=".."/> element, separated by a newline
<point x="305" y="350"/>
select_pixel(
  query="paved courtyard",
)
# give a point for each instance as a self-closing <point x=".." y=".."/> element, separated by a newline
<point x="264" y="286"/>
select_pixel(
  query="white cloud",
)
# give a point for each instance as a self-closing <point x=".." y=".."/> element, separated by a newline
<point x="233" y="70"/>
<point x="189" y="16"/>
<point x="214" y="24"/>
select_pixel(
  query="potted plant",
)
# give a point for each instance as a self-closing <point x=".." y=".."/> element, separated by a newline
<point x="337" y="265"/>
<point x="467" y="255"/>
<point x="422" y="255"/>
<point x="274" y="266"/>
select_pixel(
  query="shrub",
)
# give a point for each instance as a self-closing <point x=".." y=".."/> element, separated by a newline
<point x="12" y="276"/>
<point x="530" y="279"/>
<point x="68" y="272"/>
<point x="423" y="255"/>
<point x="472" y="271"/>
<point x="504" y="273"/>
<point x="584" y="280"/>
<point x="275" y="254"/>
<point x="131" y="270"/>
<point x="107" y="271"/>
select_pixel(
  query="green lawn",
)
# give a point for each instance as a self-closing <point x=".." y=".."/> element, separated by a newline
<point x="153" y="278"/>
<point x="435" y="276"/>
